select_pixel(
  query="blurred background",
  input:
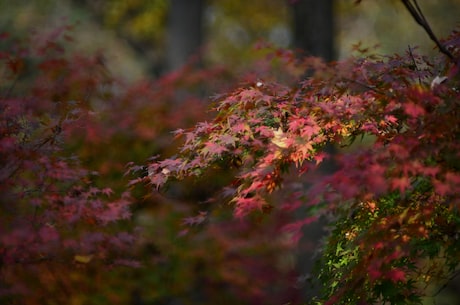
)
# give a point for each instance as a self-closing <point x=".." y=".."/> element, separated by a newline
<point x="168" y="57"/>
<point x="145" y="38"/>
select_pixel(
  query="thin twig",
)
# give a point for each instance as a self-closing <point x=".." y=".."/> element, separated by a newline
<point x="369" y="87"/>
<point x="414" y="62"/>
<point x="418" y="16"/>
<point x="10" y="89"/>
<point x="457" y="273"/>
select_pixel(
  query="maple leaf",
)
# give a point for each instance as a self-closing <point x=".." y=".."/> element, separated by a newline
<point x="295" y="228"/>
<point x="196" y="220"/>
<point x="396" y="275"/>
<point x="431" y="171"/>
<point x="370" y="127"/>
<point x="400" y="183"/>
<point x="107" y="191"/>
<point x="309" y="131"/>
<point x="213" y="148"/>
<point x="442" y="188"/>
<point x="249" y="95"/>
<point x="391" y="119"/>
<point x="156" y="179"/>
<point x="453" y="178"/>
<point x="374" y="273"/>
<point x="413" y="109"/>
<point x="399" y="151"/>
<point x="319" y="157"/>
<point x="171" y="164"/>
<point x="244" y="206"/>
<point x="280" y="139"/>
<point x="264" y="131"/>
<point x="240" y="127"/>
<point x="114" y="211"/>
<point x="227" y="139"/>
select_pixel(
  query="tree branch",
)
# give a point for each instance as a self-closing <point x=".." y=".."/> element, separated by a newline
<point x="454" y="275"/>
<point x="417" y="14"/>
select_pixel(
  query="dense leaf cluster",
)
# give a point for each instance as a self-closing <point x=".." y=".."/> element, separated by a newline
<point x="51" y="212"/>
<point x="401" y="187"/>
<point x="68" y="218"/>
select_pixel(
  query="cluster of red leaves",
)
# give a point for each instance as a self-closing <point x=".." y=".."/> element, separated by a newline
<point x="266" y="129"/>
<point x="68" y="129"/>
<point x="51" y="212"/>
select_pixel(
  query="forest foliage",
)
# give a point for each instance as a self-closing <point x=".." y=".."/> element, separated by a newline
<point x="393" y="201"/>
<point x="72" y="229"/>
<point x="68" y="130"/>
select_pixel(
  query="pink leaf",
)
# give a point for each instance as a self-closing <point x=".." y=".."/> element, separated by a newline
<point x="214" y="148"/>
<point x="396" y="275"/>
<point x="413" y="109"/>
<point x="391" y="119"/>
<point x="244" y="206"/>
<point x="196" y="220"/>
<point x="401" y="183"/>
<point x="227" y="139"/>
<point x="295" y="228"/>
<point x="107" y="191"/>
<point x="128" y="263"/>
<point x="48" y="234"/>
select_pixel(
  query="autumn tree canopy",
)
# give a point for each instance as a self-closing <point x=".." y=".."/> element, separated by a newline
<point x="393" y="202"/>
<point x="67" y="230"/>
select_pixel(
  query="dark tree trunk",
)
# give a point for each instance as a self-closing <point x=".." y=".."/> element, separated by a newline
<point x="313" y="31"/>
<point x="185" y="32"/>
<point x="313" y="27"/>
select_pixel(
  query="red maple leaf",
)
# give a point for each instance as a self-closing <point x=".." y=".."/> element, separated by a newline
<point x="401" y="183"/>
<point x="396" y="275"/>
<point x="413" y="109"/>
<point x="228" y="140"/>
<point x="196" y="220"/>
<point x="213" y="148"/>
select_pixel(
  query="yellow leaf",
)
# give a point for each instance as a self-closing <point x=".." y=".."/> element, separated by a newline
<point x="83" y="259"/>
<point x="280" y="139"/>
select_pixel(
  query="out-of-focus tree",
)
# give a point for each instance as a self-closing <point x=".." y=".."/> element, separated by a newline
<point x="184" y="32"/>
<point x="233" y="27"/>
<point x="314" y="27"/>
<point x="54" y="218"/>
<point x="140" y="24"/>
